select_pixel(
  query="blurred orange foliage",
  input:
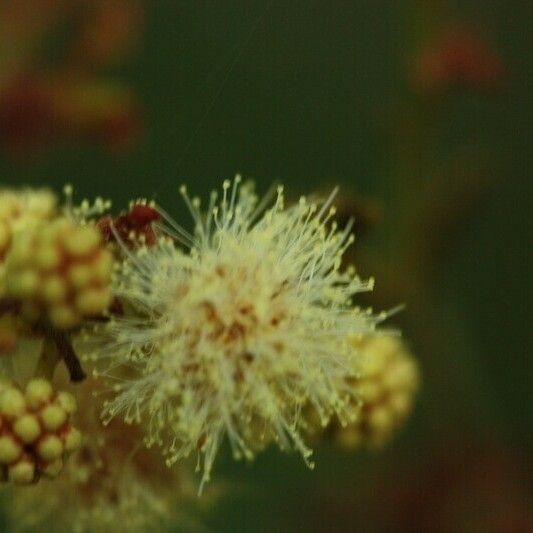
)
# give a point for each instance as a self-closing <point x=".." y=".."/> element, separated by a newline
<point x="43" y="101"/>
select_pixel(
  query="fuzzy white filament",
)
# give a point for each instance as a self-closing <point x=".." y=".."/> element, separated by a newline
<point x="231" y="330"/>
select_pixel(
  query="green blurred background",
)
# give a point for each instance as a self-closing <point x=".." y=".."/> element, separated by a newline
<point x="420" y="110"/>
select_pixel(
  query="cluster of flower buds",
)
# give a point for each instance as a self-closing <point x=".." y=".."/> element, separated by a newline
<point x="60" y="271"/>
<point x="388" y="382"/>
<point x="22" y="210"/>
<point x="104" y="486"/>
<point x="36" y="433"/>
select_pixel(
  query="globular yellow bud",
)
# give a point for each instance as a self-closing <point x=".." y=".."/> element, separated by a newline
<point x="93" y="301"/>
<point x="63" y="316"/>
<point x="40" y="203"/>
<point x="38" y="392"/>
<point x="380" y="419"/>
<point x="369" y="391"/>
<point x="22" y="250"/>
<point x="53" y="289"/>
<point x="387" y="382"/>
<point x="401" y="378"/>
<point x="79" y="275"/>
<point x="82" y="241"/>
<point x="72" y="439"/>
<point x="349" y="438"/>
<point x="53" y="417"/>
<point x="53" y="468"/>
<point x="401" y="404"/>
<point x="27" y="428"/>
<point x="22" y="472"/>
<point x="50" y="448"/>
<point x="67" y="402"/>
<point x="23" y="284"/>
<point x="12" y="403"/>
<point x="10" y="449"/>
<point x="101" y="269"/>
<point x="47" y="258"/>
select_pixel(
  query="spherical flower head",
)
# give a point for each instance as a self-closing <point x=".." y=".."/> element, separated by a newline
<point x="36" y="433"/>
<point x="60" y="271"/>
<point x="387" y="384"/>
<point x="242" y="323"/>
<point x="109" y="484"/>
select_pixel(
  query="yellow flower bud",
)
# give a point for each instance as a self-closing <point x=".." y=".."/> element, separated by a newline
<point x="53" y="289"/>
<point x="50" y="448"/>
<point x="72" y="439"/>
<point x="21" y="251"/>
<point x="12" y="403"/>
<point x="79" y="275"/>
<point x="22" y="472"/>
<point x="82" y="241"/>
<point x="92" y="301"/>
<point x="10" y="449"/>
<point x="63" y="316"/>
<point x="103" y="266"/>
<point x="23" y="285"/>
<point x="380" y="419"/>
<point x="27" y="428"/>
<point x="349" y="438"/>
<point x="53" y="417"/>
<point x="401" y="404"/>
<point x="53" y="468"/>
<point x="47" y="258"/>
<point x="67" y="402"/>
<point x="38" y="392"/>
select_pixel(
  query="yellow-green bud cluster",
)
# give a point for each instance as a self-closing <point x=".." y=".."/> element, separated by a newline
<point x="60" y="270"/>
<point x="36" y="434"/>
<point x="388" y="382"/>
<point x="20" y="210"/>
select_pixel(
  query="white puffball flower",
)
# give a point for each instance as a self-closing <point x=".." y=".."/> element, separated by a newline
<point x="231" y="330"/>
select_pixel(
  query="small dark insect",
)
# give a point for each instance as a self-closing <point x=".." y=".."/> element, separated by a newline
<point x="136" y="222"/>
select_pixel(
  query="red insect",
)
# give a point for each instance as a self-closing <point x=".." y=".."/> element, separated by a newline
<point x="137" y="222"/>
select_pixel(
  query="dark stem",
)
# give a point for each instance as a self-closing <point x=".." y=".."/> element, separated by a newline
<point x="66" y="351"/>
<point x="9" y="305"/>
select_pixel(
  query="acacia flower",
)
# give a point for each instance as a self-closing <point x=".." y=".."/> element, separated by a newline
<point x="387" y="385"/>
<point x="237" y="325"/>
